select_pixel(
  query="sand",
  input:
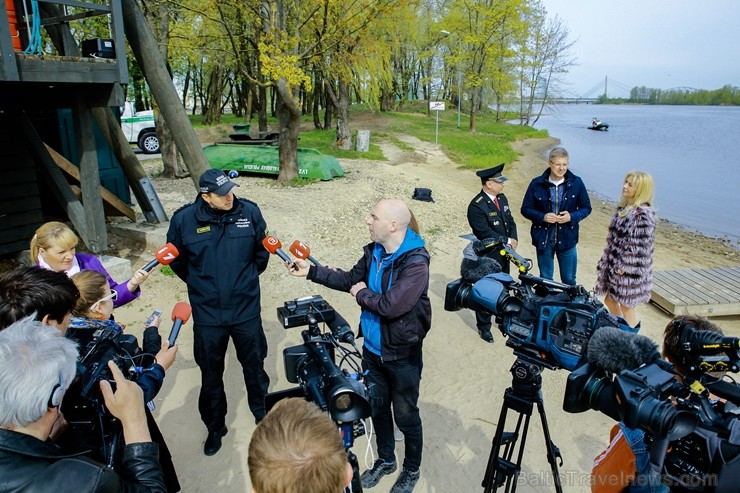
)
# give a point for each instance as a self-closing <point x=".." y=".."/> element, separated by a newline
<point x="464" y="378"/>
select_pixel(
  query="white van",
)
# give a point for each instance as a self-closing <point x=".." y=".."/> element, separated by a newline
<point x="139" y="129"/>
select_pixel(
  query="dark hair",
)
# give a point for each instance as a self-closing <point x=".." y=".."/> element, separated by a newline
<point x="672" y="348"/>
<point x="32" y="289"/>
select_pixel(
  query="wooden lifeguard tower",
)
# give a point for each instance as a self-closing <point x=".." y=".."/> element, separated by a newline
<point x="81" y="78"/>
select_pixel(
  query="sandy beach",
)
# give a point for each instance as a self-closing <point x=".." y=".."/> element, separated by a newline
<point x="464" y="378"/>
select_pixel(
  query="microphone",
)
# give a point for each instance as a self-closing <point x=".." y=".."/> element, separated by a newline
<point x="180" y="315"/>
<point x="164" y="256"/>
<point x="341" y="330"/>
<point x="302" y="251"/>
<point x="474" y="268"/>
<point x="274" y="246"/>
<point x="614" y="350"/>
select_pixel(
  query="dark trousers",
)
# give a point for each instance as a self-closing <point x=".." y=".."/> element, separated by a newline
<point x="483" y="320"/>
<point x="396" y="382"/>
<point x="210" y="343"/>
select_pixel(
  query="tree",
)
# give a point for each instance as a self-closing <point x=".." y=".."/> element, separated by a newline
<point x="545" y="58"/>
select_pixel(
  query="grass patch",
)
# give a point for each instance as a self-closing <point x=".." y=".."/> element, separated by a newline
<point x="488" y="146"/>
<point x="323" y="140"/>
<point x="404" y="146"/>
<point x="167" y="271"/>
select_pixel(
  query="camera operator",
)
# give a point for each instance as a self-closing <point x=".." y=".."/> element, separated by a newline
<point x="297" y="447"/>
<point x="624" y="465"/>
<point x="37" y="366"/>
<point x="94" y="311"/>
<point x="28" y="290"/>
<point x="390" y="283"/>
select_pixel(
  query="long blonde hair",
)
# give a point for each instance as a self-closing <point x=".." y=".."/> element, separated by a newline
<point x="644" y="187"/>
<point x="52" y="234"/>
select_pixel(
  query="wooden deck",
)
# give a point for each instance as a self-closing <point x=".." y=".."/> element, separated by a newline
<point x="702" y="292"/>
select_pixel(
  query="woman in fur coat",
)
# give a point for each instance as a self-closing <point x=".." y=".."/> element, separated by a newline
<point x="625" y="272"/>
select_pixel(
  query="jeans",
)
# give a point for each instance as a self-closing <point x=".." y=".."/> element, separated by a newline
<point x="209" y="347"/>
<point x="567" y="261"/>
<point x="396" y="382"/>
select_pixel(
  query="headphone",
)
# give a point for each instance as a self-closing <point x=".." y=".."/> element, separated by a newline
<point x="55" y="398"/>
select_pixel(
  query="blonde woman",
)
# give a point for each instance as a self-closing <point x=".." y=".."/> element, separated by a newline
<point x="54" y="246"/>
<point x="625" y="272"/>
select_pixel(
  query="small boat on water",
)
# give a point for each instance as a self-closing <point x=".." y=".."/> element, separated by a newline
<point x="596" y="124"/>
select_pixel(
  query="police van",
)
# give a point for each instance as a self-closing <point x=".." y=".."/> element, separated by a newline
<point x="139" y="128"/>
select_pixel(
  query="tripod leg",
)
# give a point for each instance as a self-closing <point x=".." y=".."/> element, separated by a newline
<point x="491" y="467"/>
<point x="553" y="452"/>
<point x="500" y="469"/>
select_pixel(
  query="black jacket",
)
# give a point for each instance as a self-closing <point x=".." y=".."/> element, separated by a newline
<point x="221" y="258"/>
<point x="488" y="221"/>
<point x="405" y="310"/>
<point x="28" y="465"/>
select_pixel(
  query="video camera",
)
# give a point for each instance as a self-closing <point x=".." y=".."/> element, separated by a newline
<point x="91" y="426"/>
<point x="341" y="393"/>
<point x="546" y="322"/>
<point x="695" y="440"/>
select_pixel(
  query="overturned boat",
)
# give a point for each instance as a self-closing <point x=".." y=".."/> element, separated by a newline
<point x="265" y="160"/>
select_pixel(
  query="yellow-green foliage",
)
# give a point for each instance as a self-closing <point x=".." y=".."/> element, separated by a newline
<point x="278" y="64"/>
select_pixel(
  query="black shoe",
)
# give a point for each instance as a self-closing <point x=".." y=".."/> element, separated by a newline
<point x="406" y="481"/>
<point x="486" y="335"/>
<point x="371" y="477"/>
<point x="213" y="442"/>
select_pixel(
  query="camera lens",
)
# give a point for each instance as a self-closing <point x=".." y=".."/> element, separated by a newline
<point x="664" y="420"/>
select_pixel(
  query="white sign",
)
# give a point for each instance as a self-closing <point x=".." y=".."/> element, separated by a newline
<point x="436" y="105"/>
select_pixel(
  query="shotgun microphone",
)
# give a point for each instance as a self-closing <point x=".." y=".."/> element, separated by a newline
<point x="164" y="256"/>
<point x="180" y="315"/>
<point x="302" y="251"/>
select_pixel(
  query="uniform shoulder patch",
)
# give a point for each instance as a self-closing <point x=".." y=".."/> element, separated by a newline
<point x="477" y="201"/>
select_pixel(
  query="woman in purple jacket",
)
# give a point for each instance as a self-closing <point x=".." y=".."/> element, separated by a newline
<point x="53" y="247"/>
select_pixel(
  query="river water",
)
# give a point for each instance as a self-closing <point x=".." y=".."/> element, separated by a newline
<point x="693" y="153"/>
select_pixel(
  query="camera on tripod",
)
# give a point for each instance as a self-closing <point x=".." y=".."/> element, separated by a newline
<point x="547" y="322"/>
<point x="312" y="364"/>
<point x="341" y="393"/>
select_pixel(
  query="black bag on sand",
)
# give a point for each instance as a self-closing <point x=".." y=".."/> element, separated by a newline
<point x="423" y="194"/>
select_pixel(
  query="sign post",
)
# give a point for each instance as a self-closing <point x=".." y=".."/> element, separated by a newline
<point x="436" y="106"/>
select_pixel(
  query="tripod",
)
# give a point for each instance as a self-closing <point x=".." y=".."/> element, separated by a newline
<point x="525" y="390"/>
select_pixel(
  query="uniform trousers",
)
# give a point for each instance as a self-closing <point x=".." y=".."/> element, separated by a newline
<point x="210" y="344"/>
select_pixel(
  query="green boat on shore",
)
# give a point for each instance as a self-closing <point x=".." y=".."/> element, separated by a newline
<point x="265" y="160"/>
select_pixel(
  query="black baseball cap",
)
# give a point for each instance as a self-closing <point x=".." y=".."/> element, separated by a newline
<point x="216" y="181"/>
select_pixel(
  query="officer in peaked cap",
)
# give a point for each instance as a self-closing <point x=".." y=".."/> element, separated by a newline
<point x="490" y="218"/>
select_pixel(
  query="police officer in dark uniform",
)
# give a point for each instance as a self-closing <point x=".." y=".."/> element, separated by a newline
<point x="219" y="237"/>
<point x="490" y="217"/>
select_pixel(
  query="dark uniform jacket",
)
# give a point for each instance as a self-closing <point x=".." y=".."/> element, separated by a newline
<point x="405" y="310"/>
<point x="28" y="465"/>
<point x="221" y="258"/>
<point x="538" y="202"/>
<point x="488" y="221"/>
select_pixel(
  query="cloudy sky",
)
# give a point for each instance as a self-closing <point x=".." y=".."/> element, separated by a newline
<point x="654" y="43"/>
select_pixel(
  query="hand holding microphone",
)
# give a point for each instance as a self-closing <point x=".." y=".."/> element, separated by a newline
<point x="302" y="251"/>
<point x="180" y="315"/>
